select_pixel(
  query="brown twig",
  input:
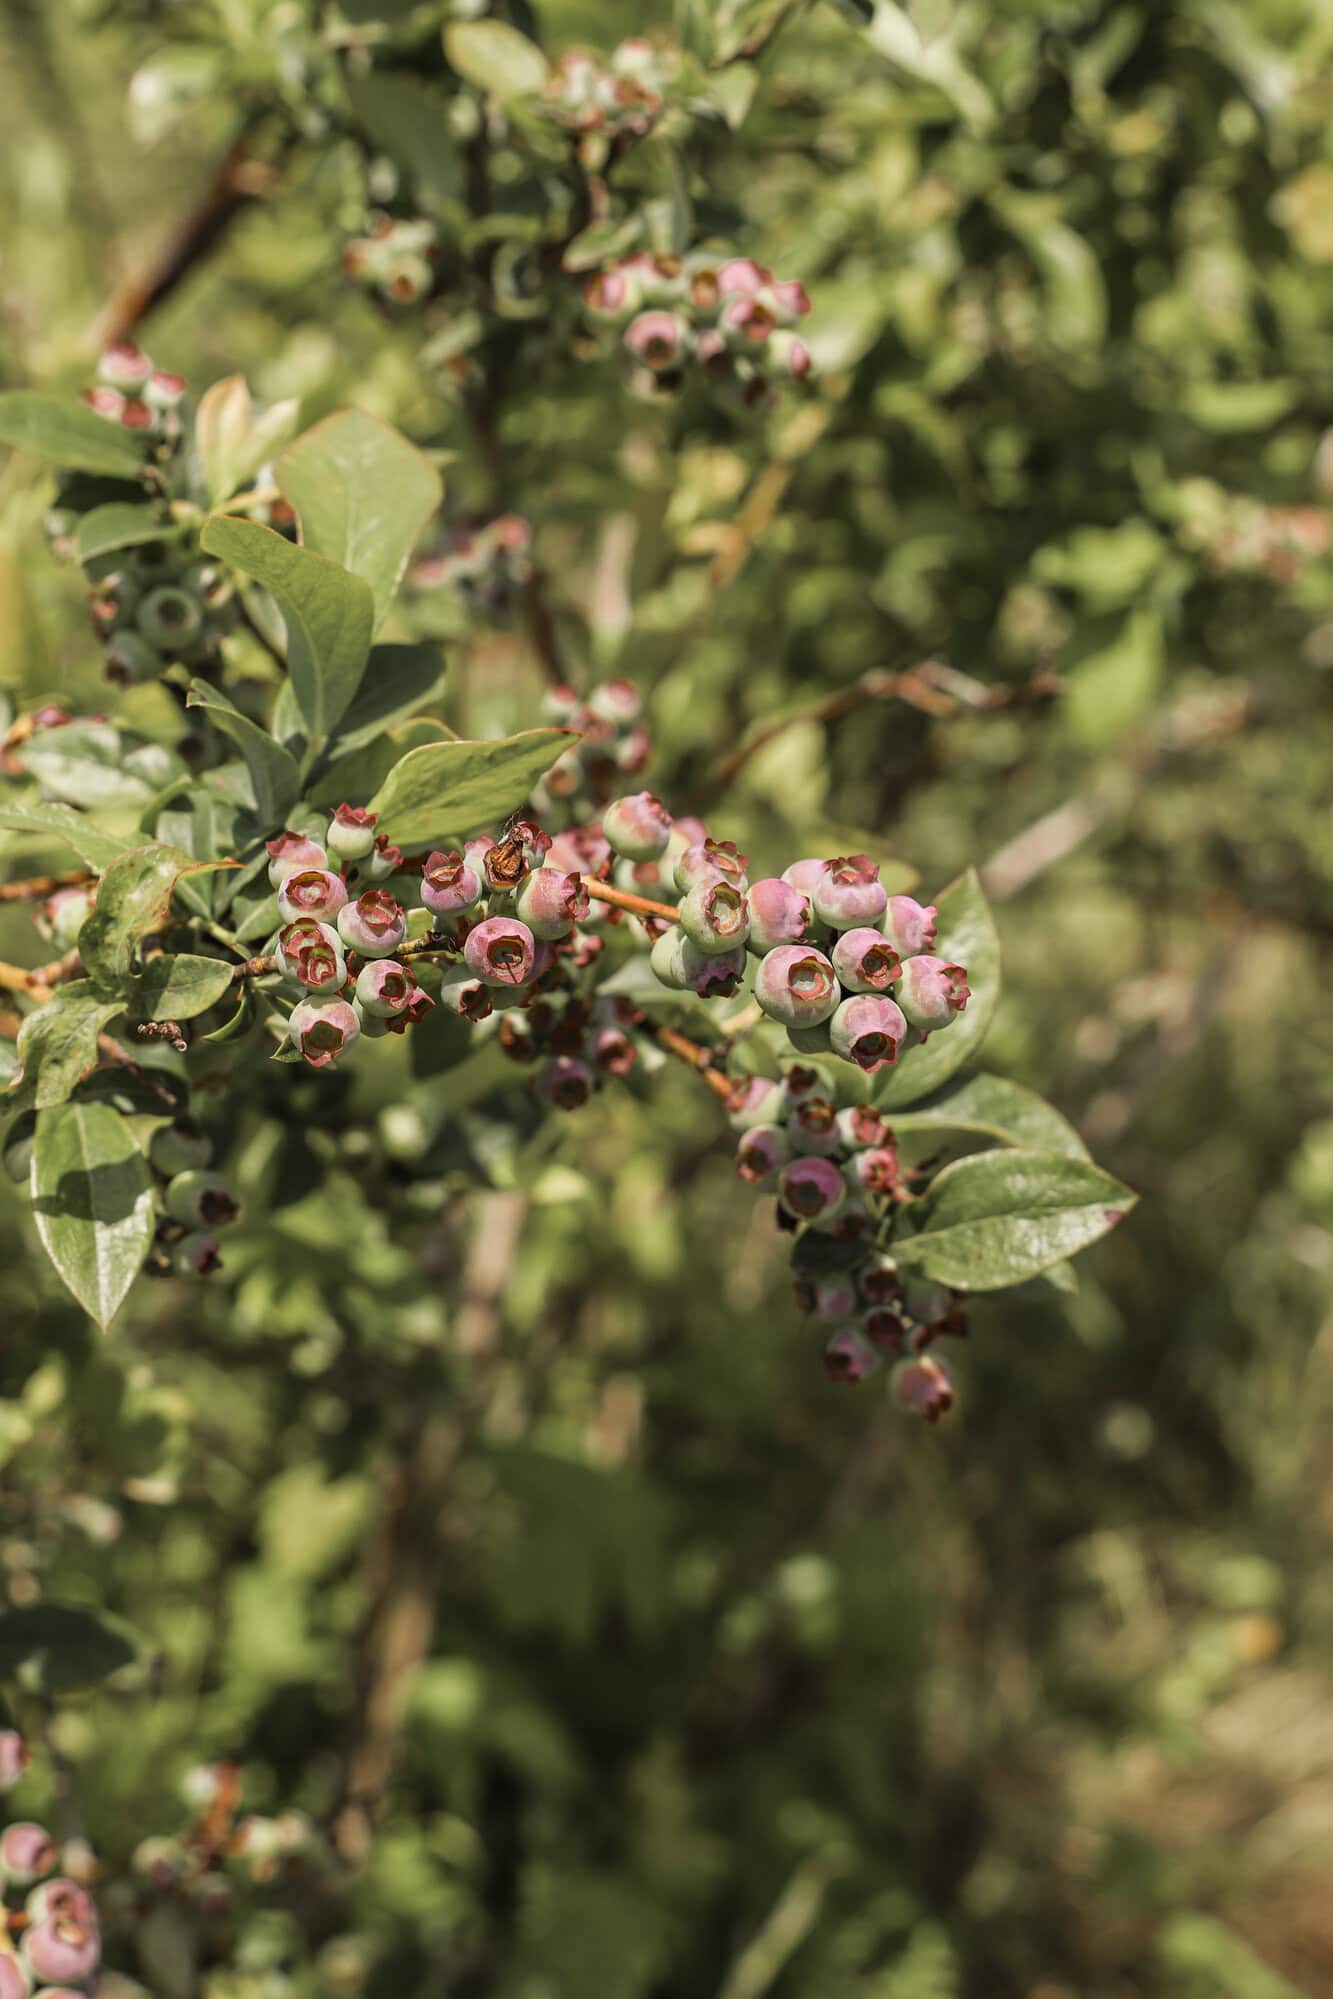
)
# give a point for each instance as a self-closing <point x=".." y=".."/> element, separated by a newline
<point x="240" y="178"/>
<point x="255" y="968"/>
<point x="621" y="898"/>
<point x="36" y="887"/>
<point x="111" y="1051"/>
<point x="697" y="1058"/>
<point x="10" y="1023"/>
<point x="23" y="979"/>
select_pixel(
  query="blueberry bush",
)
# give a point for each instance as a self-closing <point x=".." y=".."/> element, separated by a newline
<point x="441" y="1551"/>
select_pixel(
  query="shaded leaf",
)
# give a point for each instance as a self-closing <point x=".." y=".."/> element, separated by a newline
<point x="275" y="777"/>
<point x="456" y="787"/>
<point x="999" y="1218"/>
<point x="105" y="529"/>
<point x="57" y="1043"/>
<point x="410" y="122"/>
<point x="57" y="1650"/>
<point x="92" y="1196"/>
<point x="134" y="898"/>
<point x="363" y="771"/>
<point x="995" y="1108"/>
<point x="90" y="764"/>
<point x="69" y="433"/>
<point x="967" y="937"/>
<point x="179" y="985"/>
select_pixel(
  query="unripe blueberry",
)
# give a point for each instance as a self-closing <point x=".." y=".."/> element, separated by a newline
<point x="924" y="1386"/>
<point x="926" y="1302"/>
<point x="680" y="963"/>
<point x="383" y="860"/>
<point x="375" y="924"/>
<point x="323" y="1030"/>
<point x="14" y="1980"/>
<point x="170" y="618"/>
<point x="159" y="1859"/>
<point x="860" y="1125"/>
<point x="19" y="1142"/>
<point x="685" y="832"/>
<point x="27" y="1852"/>
<point x="883" y="1326"/>
<point x="746" y="323"/>
<point x="611" y="294"/>
<point x="813" y="1126"/>
<point x="789" y="296"/>
<point x="909" y="927"/>
<point x="351" y="834"/>
<point x="849" y="892"/>
<point x="878" y="1280"/>
<point x="65" y="913"/>
<point x="313" y="892"/>
<point x="865" y="961"/>
<point x="551" y="902"/>
<point x="566" y="1083"/>
<point x="667" y="959"/>
<point x="779" y="914"/>
<point x="932" y="993"/>
<point x="762" y="1153"/>
<point x="741" y="276"/>
<point x="13" y="1758"/>
<point x="811" y="1040"/>
<point x="657" y="339"/>
<point x="178" y="1148"/>
<point x="62" y="1949"/>
<point x="200" y="1199"/>
<point x="714" y="915"/>
<point x="196" y="1255"/>
<point x="384" y="988"/>
<point x="833" y="1297"/>
<point x="711" y="860"/>
<point x="788" y="352"/>
<point x="476" y="849"/>
<point x="289" y="854"/>
<point x="811" y="1188"/>
<point x="163" y="390"/>
<point x="60" y="1897"/>
<point x="875" y="1170"/>
<point x="616" y="701"/>
<point x="130" y="659"/>
<point x="867" y="1029"/>
<point x="583" y="850"/>
<point x="124" y="365"/>
<point x="500" y="951"/>
<point x="465" y="994"/>
<point x="449" y="883"/>
<point x="637" y="826"/>
<point x="757" y="1100"/>
<point x="312" y="954"/>
<point x="796" y="985"/>
<point x="613" y="1053"/>
<point x="800" y="1081"/>
<point x="802" y="875"/>
<point x="849" y="1355"/>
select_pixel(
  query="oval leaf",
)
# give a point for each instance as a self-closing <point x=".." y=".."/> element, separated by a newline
<point x="496" y="57"/>
<point x="134" y="899"/>
<point x="56" y="1650"/>
<point x="108" y="528"/>
<point x="275" y="777"/>
<point x="92" y="1197"/>
<point x="994" y="1108"/>
<point x="57" y="1043"/>
<point x="62" y="823"/>
<point x="178" y="985"/>
<point x="967" y="937"/>
<point x="398" y="678"/>
<point x="363" y="494"/>
<point x="71" y="434"/>
<point x="458" y="787"/>
<point x="1002" y="1217"/>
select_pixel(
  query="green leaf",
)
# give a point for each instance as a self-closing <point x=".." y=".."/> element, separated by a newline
<point x="177" y="986"/>
<point x="57" y="1043"/>
<point x="398" y="678"/>
<point x="995" y="1108"/>
<point x="119" y="525"/>
<point x="999" y="1218"/>
<point x="92" y="1197"/>
<point x="496" y="57"/>
<point x="329" y="614"/>
<point x="363" y="494"/>
<point x="61" y="823"/>
<point x="232" y="442"/>
<point x="70" y="434"/>
<point x="363" y="771"/>
<point x="1110" y="690"/>
<point x="205" y="824"/>
<point x="274" y="774"/>
<point x="410" y="122"/>
<point x="967" y="937"/>
<point x="134" y="899"/>
<point x="457" y="787"/>
<point x="90" y="764"/>
<point x="54" y="1649"/>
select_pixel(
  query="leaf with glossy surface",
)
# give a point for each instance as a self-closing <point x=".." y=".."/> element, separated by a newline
<point x="1002" y="1217"/>
<point x="179" y="984"/>
<point x="62" y="823"/>
<point x="459" y="787"/>
<point x="329" y="614"/>
<point x="993" y="1107"/>
<point x="496" y="58"/>
<point x="53" y="1648"/>
<point x="967" y="937"/>
<point x="57" y="1043"/>
<point x="134" y="899"/>
<point x="363" y="494"/>
<point x="70" y="434"/>
<point x="92" y="1196"/>
<point x="275" y="777"/>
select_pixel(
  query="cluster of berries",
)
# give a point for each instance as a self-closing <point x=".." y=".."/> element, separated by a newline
<point x="488" y="565"/>
<point x="613" y="99"/>
<point x="194" y="1203"/>
<point x="50" y="1940"/>
<point x="840" y="1187"/>
<point x="157" y="602"/>
<point x="614" y="744"/>
<point x="395" y="256"/>
<point x="728" y="316"/>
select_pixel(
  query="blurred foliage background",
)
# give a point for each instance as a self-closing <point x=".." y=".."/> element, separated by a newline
<point x="738" y="1683"/>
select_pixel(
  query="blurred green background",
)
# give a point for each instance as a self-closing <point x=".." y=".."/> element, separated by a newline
<point x="741" y="1684"/>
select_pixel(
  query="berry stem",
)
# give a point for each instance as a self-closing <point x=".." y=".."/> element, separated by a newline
<point x="621" y="898"/>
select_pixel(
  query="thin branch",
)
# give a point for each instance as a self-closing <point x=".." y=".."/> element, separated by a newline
<point x="621" y="898"/>
<point x="37" y="887"/>
<point x="697" y="1058"/>
<point x="112" y="1051"/>
<point x="10" y="1023"/>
